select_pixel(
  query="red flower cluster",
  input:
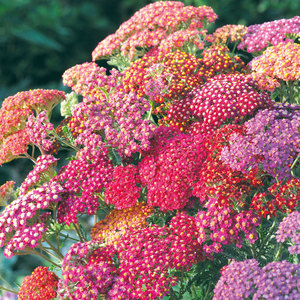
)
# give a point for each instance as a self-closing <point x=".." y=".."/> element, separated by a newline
<point x="284" y="197"/>
<point x="170" y="168"/>
<point x="40" y="285"/>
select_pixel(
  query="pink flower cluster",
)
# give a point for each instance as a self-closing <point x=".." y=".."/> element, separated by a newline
<point x="38" y="130"/>
<point x="289" y="229"/>
<point x="151" y="25"/>
<point x="261" y="36"/>
<point x="84" y="176"/>
<point x="19" y="222"/>
<point x="88" y="272"/>
<point x="44" y="165"/>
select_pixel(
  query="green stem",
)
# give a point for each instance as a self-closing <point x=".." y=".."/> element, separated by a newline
<point x="278" y="254"/>
<point x="8" y="290"/>
<point x="77" y="229"/>
<point x="207" y="291"/>
<point x="56" y="250"/>
<point x="34" y="252"/>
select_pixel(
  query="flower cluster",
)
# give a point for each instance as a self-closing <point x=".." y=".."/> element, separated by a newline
<point x="19" y="222"/>
<point x="150" y="26"/>
<point x="107" y="109"/>
<point x="43" y="167"/>
<point x="289" y="229"/>
<point x="118" y="222"/>
<point x="260" y="36"/>
<point x="226" y="98"/>
<point x="88" y="271"/>
<point x="84" y="176"/>
<point x="38" y="130"/>
<point x="170" y="167"/>
<point x="227" y="34"/>
<point x="271" y="141"/>
<point x="40" y="285"/>
<point x="244" y="279"/>
<point x="276" y="65"/>
<point x="280" y="196"/>
<point x="224" y="226"/>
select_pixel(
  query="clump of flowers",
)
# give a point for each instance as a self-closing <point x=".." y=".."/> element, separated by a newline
<point x="89" y="164"/>
<point x="271" y="141"/>
<point x="261" y="36"/>
<point x="20" y="222"/>
<point x="289" y="229"/>
<point x="280" y="196"/>
<point x="226" y="98"/>
<point x="244" y="279"/>
<point x="88" y="271"/>
<point x="150" y="26"/>
<point x="44" y="165"/>
<point x="227" y="34"/>
<point x="237" y="280"/>
<point x="120" y="221"/>
<point x="170" y="168"/>
<point x="275" y="68"/>
<point x="40" y="285"/>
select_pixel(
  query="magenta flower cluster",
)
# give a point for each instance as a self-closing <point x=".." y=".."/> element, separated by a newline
<point x="260" y="36"/>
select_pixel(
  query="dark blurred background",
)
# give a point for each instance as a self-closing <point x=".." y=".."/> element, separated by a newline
<point x="39" y="40"/>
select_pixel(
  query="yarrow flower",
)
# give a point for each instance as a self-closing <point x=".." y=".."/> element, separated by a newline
<point x="43" y="168"/>
<point x="227" y="34"/>
<point x="244" y="279"/>
<point x="277" y="66"/>
<point x="118" y="222"/>
<point x="170" y="168"/>
<point x="19" y="222"/>
<point x="151" y="25"/>
<point x="40" y="285"/>
<point x="89" y="173"/>
<point x="88" y="271"/>
<point x="38" y="129"/>
<point x="261" y="36"/>
<point x="289" y="229"/>
<point x="280" y="196"/>
<point x="227" y="98"/>
<point x="271" y="141"/>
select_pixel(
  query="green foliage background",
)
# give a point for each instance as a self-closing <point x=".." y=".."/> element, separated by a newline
<point x="40" y="39"/>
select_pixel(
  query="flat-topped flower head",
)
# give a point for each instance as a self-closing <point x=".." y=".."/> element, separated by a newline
<point x="151" y="25"/>
<point x="261" y="36"/>
<point x="42" y="170"/>
<point x="289" y="229"/>
<point x="88" y="271"/>
<point x="170" y="167"/>
<point x="277" y="65"/>
<point x="14" y="146"/>
<point x="40" y="285"/>
<point x="227" y="98"/>
<point x="271" y="141"/>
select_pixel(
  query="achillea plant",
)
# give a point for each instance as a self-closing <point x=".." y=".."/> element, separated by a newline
<point x="181" y="175"/>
